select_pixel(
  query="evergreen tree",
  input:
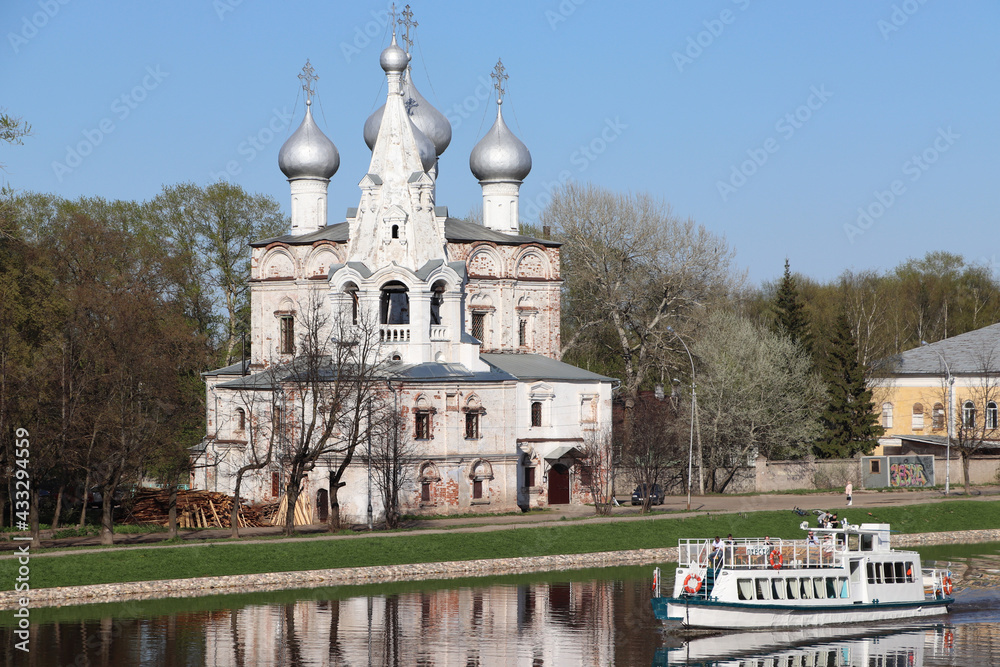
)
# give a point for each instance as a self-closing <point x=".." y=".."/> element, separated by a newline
<point x="850" y="424"/>
<point x="791" y="319"/>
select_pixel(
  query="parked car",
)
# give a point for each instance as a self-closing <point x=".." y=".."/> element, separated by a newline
<point x="655" y="497"/>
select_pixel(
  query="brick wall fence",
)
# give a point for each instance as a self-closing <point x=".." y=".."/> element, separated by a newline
<point x="827" y="474"/>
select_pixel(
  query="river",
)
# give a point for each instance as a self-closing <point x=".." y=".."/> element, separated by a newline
<point x="587" y="617"/>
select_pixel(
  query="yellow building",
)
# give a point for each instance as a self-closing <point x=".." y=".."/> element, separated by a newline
<point x="921" y="390"/>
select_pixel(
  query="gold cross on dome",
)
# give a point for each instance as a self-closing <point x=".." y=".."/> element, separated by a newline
<point x="307" y="77"/>
<point x="407" y="22"/>
<point x="499" y="76"/>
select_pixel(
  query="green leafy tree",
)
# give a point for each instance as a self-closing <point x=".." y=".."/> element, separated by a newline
<point x="850" y="424"/>
<point x="209" y="229"/>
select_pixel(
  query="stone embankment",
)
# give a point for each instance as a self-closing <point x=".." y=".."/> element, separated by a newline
<point x="199" y="586"/>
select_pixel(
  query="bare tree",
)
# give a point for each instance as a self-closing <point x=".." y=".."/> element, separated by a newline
<point x="632" y="269"/>
<point x="255" y="416"/>
<point x="975" y="430"/>
<point x="392" y="460"/>
<point x="326" y="390"/>
<point x="655" y="455"/>
<point x="598" y="462"/>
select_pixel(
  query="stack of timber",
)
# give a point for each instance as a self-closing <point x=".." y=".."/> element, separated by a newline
<point x="303" y="515"/>
<point x="195" y="509"/>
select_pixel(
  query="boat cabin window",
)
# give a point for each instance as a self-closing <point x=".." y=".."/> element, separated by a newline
<point x="807" y="588"/>
<point x="871" y="573"/>
<point x="890" y="578"/>
<point x="854" y="542"/>
<point x="845" y="591"/>
<point x="831" y="587"/>
<point x="794" y="590"/>
<point x="744" y="587"/>
<point x="763" y="589"/>
<point x="909" y="573"/>
<point x="778" y="588"/>
<point x="866" y="541"/>
<point x="900" y="572"/>
<point x="820" y="587"/>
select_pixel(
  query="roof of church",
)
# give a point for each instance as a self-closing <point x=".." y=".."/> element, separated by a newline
<point x="455" y="230"/>
<point x="429" y="372"/>
<point x="231" y="369"/>
<point x="972" y="353"/>
<point x="539" y="367"/>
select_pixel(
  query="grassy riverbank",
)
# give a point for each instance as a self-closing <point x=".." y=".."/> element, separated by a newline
<point x="218" y="559"/>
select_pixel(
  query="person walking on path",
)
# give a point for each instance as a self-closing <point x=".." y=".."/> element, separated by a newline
<point x="849" y="491"/>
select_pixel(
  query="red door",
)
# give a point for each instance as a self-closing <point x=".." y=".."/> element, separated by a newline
<point x="559" y="485"/>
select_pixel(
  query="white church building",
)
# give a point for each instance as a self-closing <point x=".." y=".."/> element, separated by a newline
<point x="468" y="319"/>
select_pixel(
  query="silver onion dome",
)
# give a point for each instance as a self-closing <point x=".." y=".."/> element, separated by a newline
<point x="393" y="58"/>
<point x="429" y="120"/>
<point x="372" y="126"/>
<point x="308" y="153"/>
<point x="500" y="156"/>
<point x="425" y="148"/>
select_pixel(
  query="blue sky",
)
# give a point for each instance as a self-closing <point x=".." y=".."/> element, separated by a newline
<point x="771" y="123"/>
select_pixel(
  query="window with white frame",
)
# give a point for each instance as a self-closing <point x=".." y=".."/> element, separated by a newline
<point x="937" y="417"/>
<point x="969" y="414"/>
<point x="887" y="415"/>
<point x="991" y="415"/>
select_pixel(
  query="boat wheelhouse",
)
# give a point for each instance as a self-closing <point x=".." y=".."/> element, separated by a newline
<point x="836" y="575"/>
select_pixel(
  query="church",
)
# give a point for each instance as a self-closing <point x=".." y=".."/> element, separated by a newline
<point x="467" y="323"/>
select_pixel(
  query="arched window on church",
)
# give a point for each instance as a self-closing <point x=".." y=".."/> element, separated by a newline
<point x="395" y="303"/>
<point x="437" y="298"/>
<point x="287" y="334"/>
<point x="351" y="290"/>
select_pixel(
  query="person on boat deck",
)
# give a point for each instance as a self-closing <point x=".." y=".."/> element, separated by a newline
<point x="717" y="544"/>
<point x="767" y="539"/>
<point x="730" y="541"/>
<point x="812" y="539"/>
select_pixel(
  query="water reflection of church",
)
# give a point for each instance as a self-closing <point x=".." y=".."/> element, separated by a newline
<point x="470" y="312"/>
<point x="558" y="623"/>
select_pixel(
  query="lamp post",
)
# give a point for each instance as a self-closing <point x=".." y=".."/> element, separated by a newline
<point x="950" y="416"/>
<point x="693" y="401"/>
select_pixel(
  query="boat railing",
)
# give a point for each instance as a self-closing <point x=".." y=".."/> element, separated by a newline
<point x="937" y="583"/>
<point x="760" y="554"/>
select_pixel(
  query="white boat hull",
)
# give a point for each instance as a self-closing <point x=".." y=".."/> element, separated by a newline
<point x="713" y="614"/>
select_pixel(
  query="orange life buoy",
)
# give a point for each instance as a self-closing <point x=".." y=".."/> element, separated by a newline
<point x="697" y="584"/>
<point x="775" y="559"/>
<point x="946" y="585"/>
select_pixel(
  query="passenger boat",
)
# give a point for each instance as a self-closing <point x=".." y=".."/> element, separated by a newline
<point x="837" y="575"/>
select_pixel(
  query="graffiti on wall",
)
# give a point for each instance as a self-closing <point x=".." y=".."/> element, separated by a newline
<point x="907" y="474"/>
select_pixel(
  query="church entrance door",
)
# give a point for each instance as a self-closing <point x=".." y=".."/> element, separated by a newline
<point x="322" y="504"/>
<point x="559" y="485"/>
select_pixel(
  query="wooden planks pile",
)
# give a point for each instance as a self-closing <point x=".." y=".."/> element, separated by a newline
<point x="303" y="515"/>
<point x="195" y="509"/>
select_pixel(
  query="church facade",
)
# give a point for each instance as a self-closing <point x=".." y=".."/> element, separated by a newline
<point x="467" y="317"/>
